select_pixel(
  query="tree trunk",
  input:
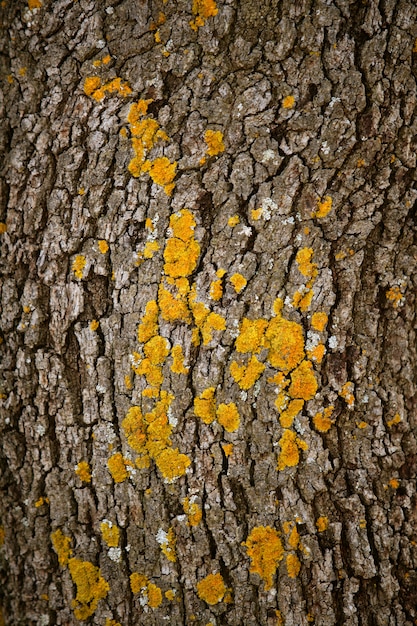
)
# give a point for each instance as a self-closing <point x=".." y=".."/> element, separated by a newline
<point x="208" y="312"/>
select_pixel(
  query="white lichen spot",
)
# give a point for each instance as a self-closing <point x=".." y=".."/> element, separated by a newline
<point x="171" y="419"/>
<point x="181" y="518"/>
<point x="288" y="302"/>
<point x="288" y="220"/>
<point x="40" y="430"/>
<point x="244" y="395"/>
<point x="100" y="389"/>
<point x="100" y="44"/>
<point x="114" y="554"/>
<point x="162" y="537"/>
<point x="325" y="147"/>
<point x="333" y="102"/>
<point x="128" y="546"/>
<point x="268" y="155"/>
<point x="332" y="342"/>
<point x="313" y="340"/>
<point x="109" y="10"/>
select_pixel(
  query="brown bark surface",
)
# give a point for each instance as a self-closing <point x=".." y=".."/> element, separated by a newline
<point x="304" y="188"/>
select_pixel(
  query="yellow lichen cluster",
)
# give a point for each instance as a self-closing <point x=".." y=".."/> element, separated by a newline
<point x="149" y="435"/>
<point x="94" y="88"/>
<point x="145" y="133"/>
<point x="3" y="228"/>
<point x="110" y="533"/>
<point x="322" y="419"/>
<point x="323" y="208"/>
<point x="91" y="586"/>
<point x="104" y="61"/>
<point x="193" y="511"/>
<point x="290" y="445"/>
<point x="238" y="281"/>
<point x="395" y="420"/>
<point x="168" y="545"/>
<point x="78" y="266"/>
<point x="211" y="589"/>
<point x="41" y="501"/>
<point x="118" y="465"/>
<point x="303" y="297"/>
<point x="94" y="325"/>
<point x="395" y="296"/>
<point x="103" y="246"/>
<point x="83" y="471"/>
<point x="322" y="523"/>
<point x="288" y="102"/>
<point x="227" y="414"/>
<point x="347" y="393"/>
<point x="151" y="593"/>
<point x="203" y="9"/>
<point x="214" y="141"/>
<point x="265" y="549"/>
<point x="34" y="4"/>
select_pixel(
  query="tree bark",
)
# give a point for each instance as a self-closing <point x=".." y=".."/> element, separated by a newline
<point x="208" y="355"/>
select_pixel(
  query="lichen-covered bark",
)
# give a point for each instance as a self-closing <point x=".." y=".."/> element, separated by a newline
<point x="208" y="350"/>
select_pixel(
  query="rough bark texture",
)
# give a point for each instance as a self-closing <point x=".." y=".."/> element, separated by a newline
<point x="315" y="103"/>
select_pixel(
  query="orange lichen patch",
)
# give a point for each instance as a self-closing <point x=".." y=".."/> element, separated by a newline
<point x="91" y="587"/>
<point x="162" y="172"/>
<point x="61" y="545"/>
<point x="361" y="425"/>
<point x="323" y="208"/>
<point x="117" y="465"/>
<point x="394" y="483"/>
<point x="287" y="417"/>
<point x="22" y="71"/>
<point x="285" y="341"/>
<point x="110" y="533"/>
<point x="239" y="282"/>
<point x="339" y="256"/>
<point x="151" y="372"/>
<point x="34" y="4"/>
<point x="395" y="296"/>
<point x="362" y="523"/>
<point x="303" y="382"/>
<point x="149" y="224"/>
<point x="317" y="353"/>
<point x="247" y="375"/>
<point x="264" y="548"/>
<point x="305" y="266"/>
<point x="112" y="622"/>
<point x="280" y="619"/>
<point x="173" y="308"/>
<point x="170" y="594"/>
<point x="156" y="350"/>
<point x="228" y="416"/>
<point x="205" y="405"/>
<point x="211" y="589"/>
<point x="193" y="511"/>
<point x="167" y="543"/>
<point x="251" y="335"/>
<point x="26" y="308"/>
<point x="290" y="450"/>
<point x="41" y="502"/>
<point x="148" y="327"/>
<point x="322" y="524"/>
<point x="138" y="582"/>
<point x="150" y="248"/>
<point x="214" y="141"/>
<point x="233" y="221"/>
<point x="227" y="449"/>
<point x="151" y="593"/>
<point x="178" y="366"/>
<point x="322" y="421"/>
<point x="256" y="214"/>
<point x="2" y="535"/>
<point x="172" y="464"/>
<point x="293" y="565"/>
<point x="360" y="162"/>
<point x="302" y="299"/>
<point x="128" y="382"/>
<point x="83" y="471"/>
<point x="94" y="325"/>
<point x="205" y="321"/>
<point x="3" y="228"/>
<point x="288" y="102"/>
<point x="182" y="250"/>
<point x="78" y="266"/>
<point x="149" y="434"/>
<point x="395" y="420"/>
<point x="347" y="394"/>
<point x="216" y="289"/>
<point x="294" y="538"/>
<point x="203" y="9"/>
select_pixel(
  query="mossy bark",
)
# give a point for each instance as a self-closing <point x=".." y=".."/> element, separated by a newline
<point x="313" y="109"/>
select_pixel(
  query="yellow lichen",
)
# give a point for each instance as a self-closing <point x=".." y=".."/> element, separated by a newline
<point x="78" y="266"/>
<point x="323" y="208"/>
<point x="156" y="350"/>
<point x="41" y="501"/>
<point x="322" y="420"/>
<point x="162" y="172"/>
<point x="322" y="523"/>
<point x="61" y="545"/>
<point x="395" y="420"/>
<point x="2" y="535"/>
<point x="94" y="88"/>
<point x="239" y="282"/>
<point x="395" y="296"/>
<point x="168" y="545"/>
<point x="34" y="4"/>
<point x="138" y="582"/>
<point x="170" y="594"/>
<point x="148" y="327"/>
<point x="302" y="299"/>
<point x="205" y="405"/>
<point x="303" y="382"/>
<point x="216" y="290"/>
<point x="3" y="228"/>
<point x="227" y="449"/>
<point x="110" y="533"/>
<point x="319" y="320"/>
<point x="264" y="548"/>
<point x="290" y="446"/>
<point x="317" y="353"/>
<point x="172" y="464"/>
<point x="203" y="9"/>
<point x="182" y="250"/>
<point x="128" y="382"/>
<point x="288" y="102"/>
<point x="211" y="589"/>
<point x="83" y="471"/>
<point x="103" y="246"/>
<point x="112" y="622"/>
<point x="294" y="538"/>
<point x="305" y="265"/>
<point x="91" y="587"/>
<point x="228" y="416"/>
<point x="233" y="221"/>
<point x="178" y="366"/>
<point x="247" y="375"/>
<point x="193" y="511"/>
<point x="287" y="416"/>
<point x="205" y="321"/>
<point x="214" y="141"/>
<point x="251" y="335"/>
<point x="293" y="565"/>
<point x="347" y="393"/>
<point x="118" y="467"/>
<point x="361" y="425"/>
<point x="150" y="248"/>
<point x="285" y="341"/>
<point x="394" y="483"/>
<point x="154" y="595"/>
